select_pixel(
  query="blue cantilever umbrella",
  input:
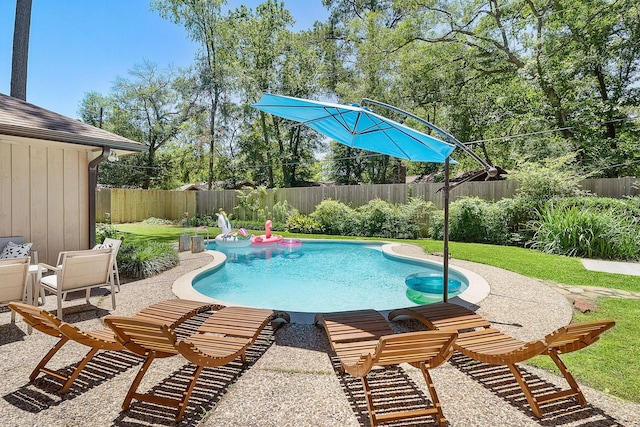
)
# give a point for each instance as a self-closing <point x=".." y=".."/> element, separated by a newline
<point x="360" y="127"/>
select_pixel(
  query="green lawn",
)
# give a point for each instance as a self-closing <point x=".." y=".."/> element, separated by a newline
<point x="531" y="263"/>
<point x="609" y="365"/>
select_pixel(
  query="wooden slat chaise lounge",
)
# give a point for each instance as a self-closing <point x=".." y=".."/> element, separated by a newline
<point x="479" y="341"/>
<point x="175" y="312"/>
<point x="363" y="340"/>
<point x="222" y="338"/>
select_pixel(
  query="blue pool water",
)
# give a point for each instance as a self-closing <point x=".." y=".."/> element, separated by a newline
<point x="323" y="277"/>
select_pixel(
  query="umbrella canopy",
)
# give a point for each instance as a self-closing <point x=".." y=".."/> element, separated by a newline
<point x="358" y="127"/>
<point x="361" y="128"/>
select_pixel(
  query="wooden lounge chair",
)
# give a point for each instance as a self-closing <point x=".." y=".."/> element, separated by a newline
<point x="363" y="340"/>
<point x="222" y="338"/>
<point x="479" y="341"/>
<point x="175" y="311"/>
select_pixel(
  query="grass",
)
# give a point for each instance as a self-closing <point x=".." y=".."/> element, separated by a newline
<point x="610" y="365"/>
<point x="141" y="233"/>
<point x="532" y="263"/>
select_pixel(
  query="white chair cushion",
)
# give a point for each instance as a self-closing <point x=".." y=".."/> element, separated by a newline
<point x="51" y="281"/>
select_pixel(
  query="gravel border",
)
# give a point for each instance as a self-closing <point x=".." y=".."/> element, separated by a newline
<point x="290" y="379"/>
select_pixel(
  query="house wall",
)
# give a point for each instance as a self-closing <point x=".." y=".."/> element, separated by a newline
<point x="44" y="194"/>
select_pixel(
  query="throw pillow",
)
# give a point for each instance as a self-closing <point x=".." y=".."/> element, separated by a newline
<point x="14" y="250"/>
<point x="103" y="246"/>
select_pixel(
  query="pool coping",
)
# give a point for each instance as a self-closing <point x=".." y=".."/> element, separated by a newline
<point x="477" y="291"/>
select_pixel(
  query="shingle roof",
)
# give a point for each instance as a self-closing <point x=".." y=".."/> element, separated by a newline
<point x="20" y="118"/>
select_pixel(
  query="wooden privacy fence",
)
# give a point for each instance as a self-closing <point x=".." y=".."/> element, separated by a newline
<point x="125" y="205"/>
<point x="136" y="205"/>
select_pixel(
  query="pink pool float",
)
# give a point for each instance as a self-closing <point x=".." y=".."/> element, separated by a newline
<point x="291" y="242"/>
<point x="267" y="239"/>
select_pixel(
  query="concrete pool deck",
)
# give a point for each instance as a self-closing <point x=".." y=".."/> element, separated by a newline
<point x="290" y="379"/>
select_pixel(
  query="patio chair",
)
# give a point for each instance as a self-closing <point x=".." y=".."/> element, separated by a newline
<point x="114" y="244"/>
<point x="103" y="339"/>
<point x="222" y="338"/>
<point x="14" y="275"/>
<point x="79" y="270"/>
<point x="363" y="340"/>
<point x="479" y="341"/>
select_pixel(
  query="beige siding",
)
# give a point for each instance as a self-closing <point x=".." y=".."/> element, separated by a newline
<point x="44" y="194"/>
<point x="38" y="200"/>
<point x="5" y="189"/>
<point x="55" y="205"/>
<point x="20" y="186"/>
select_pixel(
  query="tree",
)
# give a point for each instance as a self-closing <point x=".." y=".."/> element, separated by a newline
<point x="21" y="29"/>
<point x="362" y="30"/>
<point x="151" y="107"/>
<point x="561" y="75"/>
<point x="205" y="23"/>
<point x="274" y="59"/>
<point x="572" y="64"/>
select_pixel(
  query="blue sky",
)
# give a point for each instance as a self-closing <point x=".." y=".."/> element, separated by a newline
<point x="78" y="46"/>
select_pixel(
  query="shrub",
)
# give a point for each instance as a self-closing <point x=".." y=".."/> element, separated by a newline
<point x="335" y="217"/>
<point x="436" y="225"/>
<point x="508" y="222"/>
<point x="282" y="211"/>
<point x="251" y="202"/>
<point x="467" y="220"/>
<point x="626" y="207"/>
<point x="419" y="211"/>
<point x="199" y="220"/>
<point x="104" y="230"/>
<point x="374" y="218"/>
<point x="554" y="178"/>
<point x="157" y="221"/>
<point x="301" y="223"/>
<point x="497" y="219"/>
<point x="477" y="221"/>
<point x="587" y="233"/>
<point x="142" y="260"/>
<point x="379" y="218"/>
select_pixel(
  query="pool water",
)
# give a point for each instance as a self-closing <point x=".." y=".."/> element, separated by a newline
<point x="322" y="277"/>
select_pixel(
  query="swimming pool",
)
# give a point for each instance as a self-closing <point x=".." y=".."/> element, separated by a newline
<point x="323" y="276"/>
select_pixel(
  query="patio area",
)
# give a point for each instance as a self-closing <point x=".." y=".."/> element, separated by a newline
<point x="290" y="378"/>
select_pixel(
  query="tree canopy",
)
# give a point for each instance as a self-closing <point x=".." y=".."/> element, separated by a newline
<point x="517" y="80"/>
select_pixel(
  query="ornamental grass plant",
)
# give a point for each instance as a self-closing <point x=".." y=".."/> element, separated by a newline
<point x="587" y="233"/>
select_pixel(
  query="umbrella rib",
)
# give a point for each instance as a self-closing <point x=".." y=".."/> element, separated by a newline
<point x="389" y="127"/>
<point x="338" y="115"/>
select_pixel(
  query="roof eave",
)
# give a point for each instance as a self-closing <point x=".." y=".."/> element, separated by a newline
<point x="58" y="136"/>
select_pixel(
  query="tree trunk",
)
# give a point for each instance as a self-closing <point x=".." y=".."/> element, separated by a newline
<point x="212" y="138"/>
<point x="265" y="135"/>
<point x="20" y="57"/>
<point x="611" y="129"/>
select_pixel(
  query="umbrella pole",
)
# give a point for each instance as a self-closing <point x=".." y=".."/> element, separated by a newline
<point x="445" y="265"/>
